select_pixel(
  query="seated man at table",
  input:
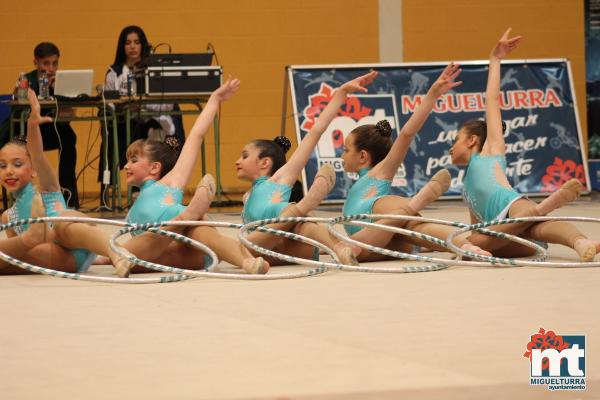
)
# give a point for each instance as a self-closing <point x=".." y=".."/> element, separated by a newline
<point x="46" y="57"/>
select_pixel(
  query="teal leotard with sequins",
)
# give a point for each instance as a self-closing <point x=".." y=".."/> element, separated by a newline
<point x="156" y="202"/>
<point x="22" y="207"/>
<point x="361" y="196"/>
<point x="260" y="203"/>
<point x="487" y="198"/>
<point x="54" y="202"/>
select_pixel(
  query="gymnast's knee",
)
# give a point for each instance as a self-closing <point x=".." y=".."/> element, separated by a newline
<point x="523" y="208"/>
<point x="484" y="241"/>
<point x="401" y="207"/>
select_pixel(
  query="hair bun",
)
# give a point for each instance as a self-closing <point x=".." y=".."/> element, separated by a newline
<point x="173" y="143"/>
<point x="384" y="128"/>
<point x="284" y="143"/>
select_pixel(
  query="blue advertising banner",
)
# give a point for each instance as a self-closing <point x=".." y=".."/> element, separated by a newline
<point x="542" y="140"/>
<point x="592" y="68"/>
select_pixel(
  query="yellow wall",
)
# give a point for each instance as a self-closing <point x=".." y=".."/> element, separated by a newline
<point x="254" y="40"/>
<point x="466" y="30"/>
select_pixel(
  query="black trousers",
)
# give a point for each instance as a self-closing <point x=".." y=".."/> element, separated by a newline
<point x="68" y="157"/>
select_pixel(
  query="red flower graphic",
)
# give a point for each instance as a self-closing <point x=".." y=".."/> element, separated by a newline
<point x="560" y="172"/>
<point x="318" y="101"/>
<point x="545" y="340"/>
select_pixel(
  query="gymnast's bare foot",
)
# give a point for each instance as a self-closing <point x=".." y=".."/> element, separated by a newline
<point x="475" y="249"/>
<point x="586" y="249"/>
<point x="323" y="183"/>
<point x="200" y="203"/>
<point x="255" y="266"/>
<point x="568" y="192"/>
<point x="437" y="186"/>
<point x="347" y="254"/>
<point x="121" y="264"/>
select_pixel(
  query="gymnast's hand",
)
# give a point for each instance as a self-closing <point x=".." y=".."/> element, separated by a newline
<point x="227" y="90"/>
<point x="358" y="84"/>
<point x="505" y="45"/>
<point x="445" y="82"/>
<point x="35" y="116"/>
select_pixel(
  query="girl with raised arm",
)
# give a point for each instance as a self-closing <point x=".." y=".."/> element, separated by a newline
<point x="369" y="151"/>
<point x="162" y="173"/>
<point x="263" y="163"/>
<point x="480" y="146"/>
<point x="19" y="162"/>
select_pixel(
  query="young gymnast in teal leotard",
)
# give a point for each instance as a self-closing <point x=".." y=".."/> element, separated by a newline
<point x="263" y="163"/>
<point x="480" y="146"/>
<point x="369" y="151"/>
<point x="266" y="198"/>
<point x="19" y="162"/>
<point x="162" y="172"/>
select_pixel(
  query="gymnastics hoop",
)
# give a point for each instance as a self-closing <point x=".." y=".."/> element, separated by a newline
<point x="258" y="225"/>
<point x="206" y="272"/>
<point x="246" y="229"/>
<point x="528" y="263"/>
<point x="352" y="219"/>
<point x="76" y="276"/>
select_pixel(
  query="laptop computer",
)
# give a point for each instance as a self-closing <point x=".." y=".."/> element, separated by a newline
<point x="74" y="82"/>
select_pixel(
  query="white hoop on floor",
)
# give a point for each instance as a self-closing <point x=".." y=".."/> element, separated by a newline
<point x="77" y="276"/>
<point x="258" y="225"/>
<point x="207" y="272"/>
<point x="516" y="262"/>
<point x="246" y="229"/>
<point x="352" y="219"/>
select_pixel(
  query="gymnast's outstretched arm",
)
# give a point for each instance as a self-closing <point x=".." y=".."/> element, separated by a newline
<point x="288" y="174"/>
<point x="48" y="180"/>
<point x="182" y="171"/>
<point x="387" y="168"/>
<point x="494" y="143"/>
